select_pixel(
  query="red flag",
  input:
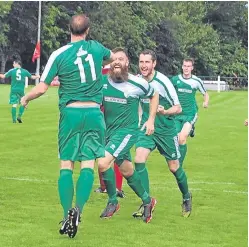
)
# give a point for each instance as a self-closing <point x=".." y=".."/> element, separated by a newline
<point x="37" y="52"/>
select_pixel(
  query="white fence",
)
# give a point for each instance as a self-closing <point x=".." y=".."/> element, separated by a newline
<point x="216" y="85"/>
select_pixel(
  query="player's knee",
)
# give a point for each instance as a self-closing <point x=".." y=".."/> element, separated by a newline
<point x="15" y="105"/>
<point x="67" y="164"/>
<point x="127" y="172"/>
<point x="140" y="158"/>
<point x="173" y="165"/>
<point x="103" y="166"/>
<point x="141" y="155"/>
<point x="173" y="169"/>
<point x="105" y="163"/>
<point x="126" y="169"/>
<point x="87" y="164"/>
<point x="182" y="139"/>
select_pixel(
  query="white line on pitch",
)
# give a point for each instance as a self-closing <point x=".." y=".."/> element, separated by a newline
<point x="201" y="182"/>
<point x="153" y="184"/>
<point x="235" y="191"/>
<point x="212" y="183"/>
<point x="156" y="185"/>
<point x="27" y="179"/>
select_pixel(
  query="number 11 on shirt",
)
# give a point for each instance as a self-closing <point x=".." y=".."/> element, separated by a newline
<point x="78" y="61"/>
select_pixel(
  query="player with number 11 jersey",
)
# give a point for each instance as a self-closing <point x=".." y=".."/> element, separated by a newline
<point x="81" y="134"/>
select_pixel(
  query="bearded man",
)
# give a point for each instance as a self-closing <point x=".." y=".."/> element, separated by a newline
<point x="122" y="92"/>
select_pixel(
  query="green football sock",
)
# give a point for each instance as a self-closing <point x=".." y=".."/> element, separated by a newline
<point x="110" y="184"/>
<point x="66" y="189"/>
<point x="135" y="183"/>
<point x="21" y="111"/>
<point x="13" y="113"/>
<point x="183" y="151"/>
<point x="83" y="187"/>
<point x="182" y="182"/>
<point x="144" y="176"/>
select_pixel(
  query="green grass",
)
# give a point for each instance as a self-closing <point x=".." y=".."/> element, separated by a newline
<point x="216" y="166"/>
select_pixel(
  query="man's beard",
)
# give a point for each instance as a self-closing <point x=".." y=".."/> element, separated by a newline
<point x="120" y="76"/>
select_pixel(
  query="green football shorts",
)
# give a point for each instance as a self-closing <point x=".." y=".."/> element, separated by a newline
<point x="15" y="98"/>
<point x="180" y="120"/>
<point x="120" y="143"/>
<point x="165" y="141"/>
<point x="81" y="134"/>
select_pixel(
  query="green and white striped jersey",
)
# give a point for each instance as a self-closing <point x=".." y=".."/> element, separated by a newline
<point x="167" y="98"/>
<point x="186" y="90"/>
<point x="121" y="102"/>
<point x="78" y="66"/>
<point x="17" y="76"/>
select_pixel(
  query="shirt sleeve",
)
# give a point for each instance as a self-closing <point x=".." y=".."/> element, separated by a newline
<point x="106" y="53"/>
<point x="146" y="89"/>
<point x="27" y="74"/>
<point x="51" y="70"/>
<point x="170" y="94"/>
<point x="201" y="87"/>
<point x="150" y="91"/>
<point x="8" y="74"/>
<point x="173" y="81"/>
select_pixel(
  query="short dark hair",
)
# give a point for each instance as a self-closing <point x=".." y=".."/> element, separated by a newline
<point x="120" y="49"/>
<point x="149" y="52"/>
<point x="189" y="59"/>
<point x="18" y="61"/>
<point x="79" y="24"/>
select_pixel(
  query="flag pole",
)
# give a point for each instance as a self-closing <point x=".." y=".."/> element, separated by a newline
<point x="38" y="41"/>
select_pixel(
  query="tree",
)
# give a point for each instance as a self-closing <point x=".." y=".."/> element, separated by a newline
<point x="167" y="49"/>
<point x="230" y="20"/>
<point x="54" y="33"/>
<point x="106" y="25"/>
<point x="22" y="34"/>
<point x="4" y="27"/>
<point x="195" y="38"/>
<point x="213" y="33"/>
<point x="118" y="24"/>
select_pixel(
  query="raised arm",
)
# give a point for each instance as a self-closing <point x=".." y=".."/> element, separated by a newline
<point x="111" y="59"/>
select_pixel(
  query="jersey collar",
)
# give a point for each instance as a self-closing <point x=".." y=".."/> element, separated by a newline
<point x="186" y="78"/>
<point x="153" y="76"/>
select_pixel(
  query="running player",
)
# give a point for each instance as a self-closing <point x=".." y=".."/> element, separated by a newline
<point x="165" y="135"/>
<point x="186" y="86"/>
<point x="122" y="91"/>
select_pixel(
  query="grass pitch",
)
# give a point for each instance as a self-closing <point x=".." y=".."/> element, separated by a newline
<point x="216" y="166"/>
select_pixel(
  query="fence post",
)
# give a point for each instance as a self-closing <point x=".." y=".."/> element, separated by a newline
<point x="26" y="82"/>
<point x="218" y="84"/>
